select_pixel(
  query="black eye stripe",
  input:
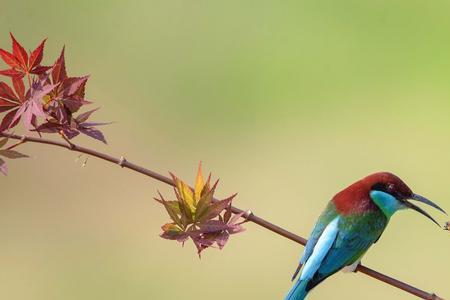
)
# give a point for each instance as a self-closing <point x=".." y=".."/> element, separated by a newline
<point x="386" y="188"/>
<point x="382" y="187"/>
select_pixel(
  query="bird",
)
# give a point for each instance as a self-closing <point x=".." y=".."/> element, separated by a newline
<point x="350" y="224"/>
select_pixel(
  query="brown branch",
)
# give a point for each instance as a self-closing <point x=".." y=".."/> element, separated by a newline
<point x="122" y="162"/>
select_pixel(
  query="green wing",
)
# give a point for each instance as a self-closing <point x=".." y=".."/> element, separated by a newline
<point x="325" y="218"/>
<point x="356" y="234"/>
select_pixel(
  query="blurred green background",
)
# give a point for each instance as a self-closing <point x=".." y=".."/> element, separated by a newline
<point x="287" y="102"/>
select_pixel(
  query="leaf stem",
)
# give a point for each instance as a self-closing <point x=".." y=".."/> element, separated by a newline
<point x="249" y="216"/>
<point x="29" y="80"/>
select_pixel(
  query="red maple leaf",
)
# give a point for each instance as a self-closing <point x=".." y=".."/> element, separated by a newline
<point x="69" y="90"/>
<point x="26" y="107"/>
<point x="64" y="100"/>
<point x="51" y="94"/>
<point x="11" y="101"/>
<point x="68" y="95"/>
<point x="20" y="62"/>
<point x="74" y="126"/>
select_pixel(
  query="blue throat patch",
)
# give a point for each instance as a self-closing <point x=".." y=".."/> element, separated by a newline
<point x="386" y="202"/>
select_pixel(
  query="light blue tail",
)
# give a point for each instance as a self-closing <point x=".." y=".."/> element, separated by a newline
<point x="298" y="291"/>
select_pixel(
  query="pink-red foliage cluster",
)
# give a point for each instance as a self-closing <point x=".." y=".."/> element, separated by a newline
<point x="45" y="98"/>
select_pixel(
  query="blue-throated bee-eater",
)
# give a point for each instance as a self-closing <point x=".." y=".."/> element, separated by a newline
<point x="353" y="220"/>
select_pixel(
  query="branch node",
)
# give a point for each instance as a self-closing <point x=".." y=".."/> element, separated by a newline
<point x="435" y="297"/>
<point x="248" y="213"/>
<point x="121" y="161"/>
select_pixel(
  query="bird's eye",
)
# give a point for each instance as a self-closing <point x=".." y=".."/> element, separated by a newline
<point x="391" y="188"/>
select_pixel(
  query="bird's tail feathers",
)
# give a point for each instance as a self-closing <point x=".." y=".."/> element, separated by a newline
<point x="298" y="291"/>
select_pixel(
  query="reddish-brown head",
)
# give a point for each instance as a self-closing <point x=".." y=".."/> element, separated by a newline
<point x="388" y="183"/>
<point x="357" y="198"/>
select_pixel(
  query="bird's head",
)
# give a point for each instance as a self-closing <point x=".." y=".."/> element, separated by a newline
<point x="390" y="194"/>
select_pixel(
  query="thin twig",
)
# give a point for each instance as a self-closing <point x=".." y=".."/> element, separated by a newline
<point x="122" y="162"/>
<point x="22" y="141"/>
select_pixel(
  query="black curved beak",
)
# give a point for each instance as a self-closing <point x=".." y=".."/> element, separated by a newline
<point x="426" y="201"/>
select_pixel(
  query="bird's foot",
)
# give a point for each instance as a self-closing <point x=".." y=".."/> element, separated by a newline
<point x="351" y="268"/>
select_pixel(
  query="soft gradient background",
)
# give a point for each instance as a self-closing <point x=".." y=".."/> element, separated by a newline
<point x="287" y="102"/>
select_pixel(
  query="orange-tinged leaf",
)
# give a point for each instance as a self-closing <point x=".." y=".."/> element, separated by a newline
<point x="185" y="193"/>
<point x="206" y="221"/>
<point x="188" y="195"/>
<point x="185" y="212"/>
<point x="206" y="186"/>
<point x="205" y="201"/>
<point x="199" y="183"/>
<point x="171" y="227"/>
<point x="172" y="209"/>
<point x="175" y="206"/>
<point x="172" y="232"/>
<point x="203" y="205"/>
